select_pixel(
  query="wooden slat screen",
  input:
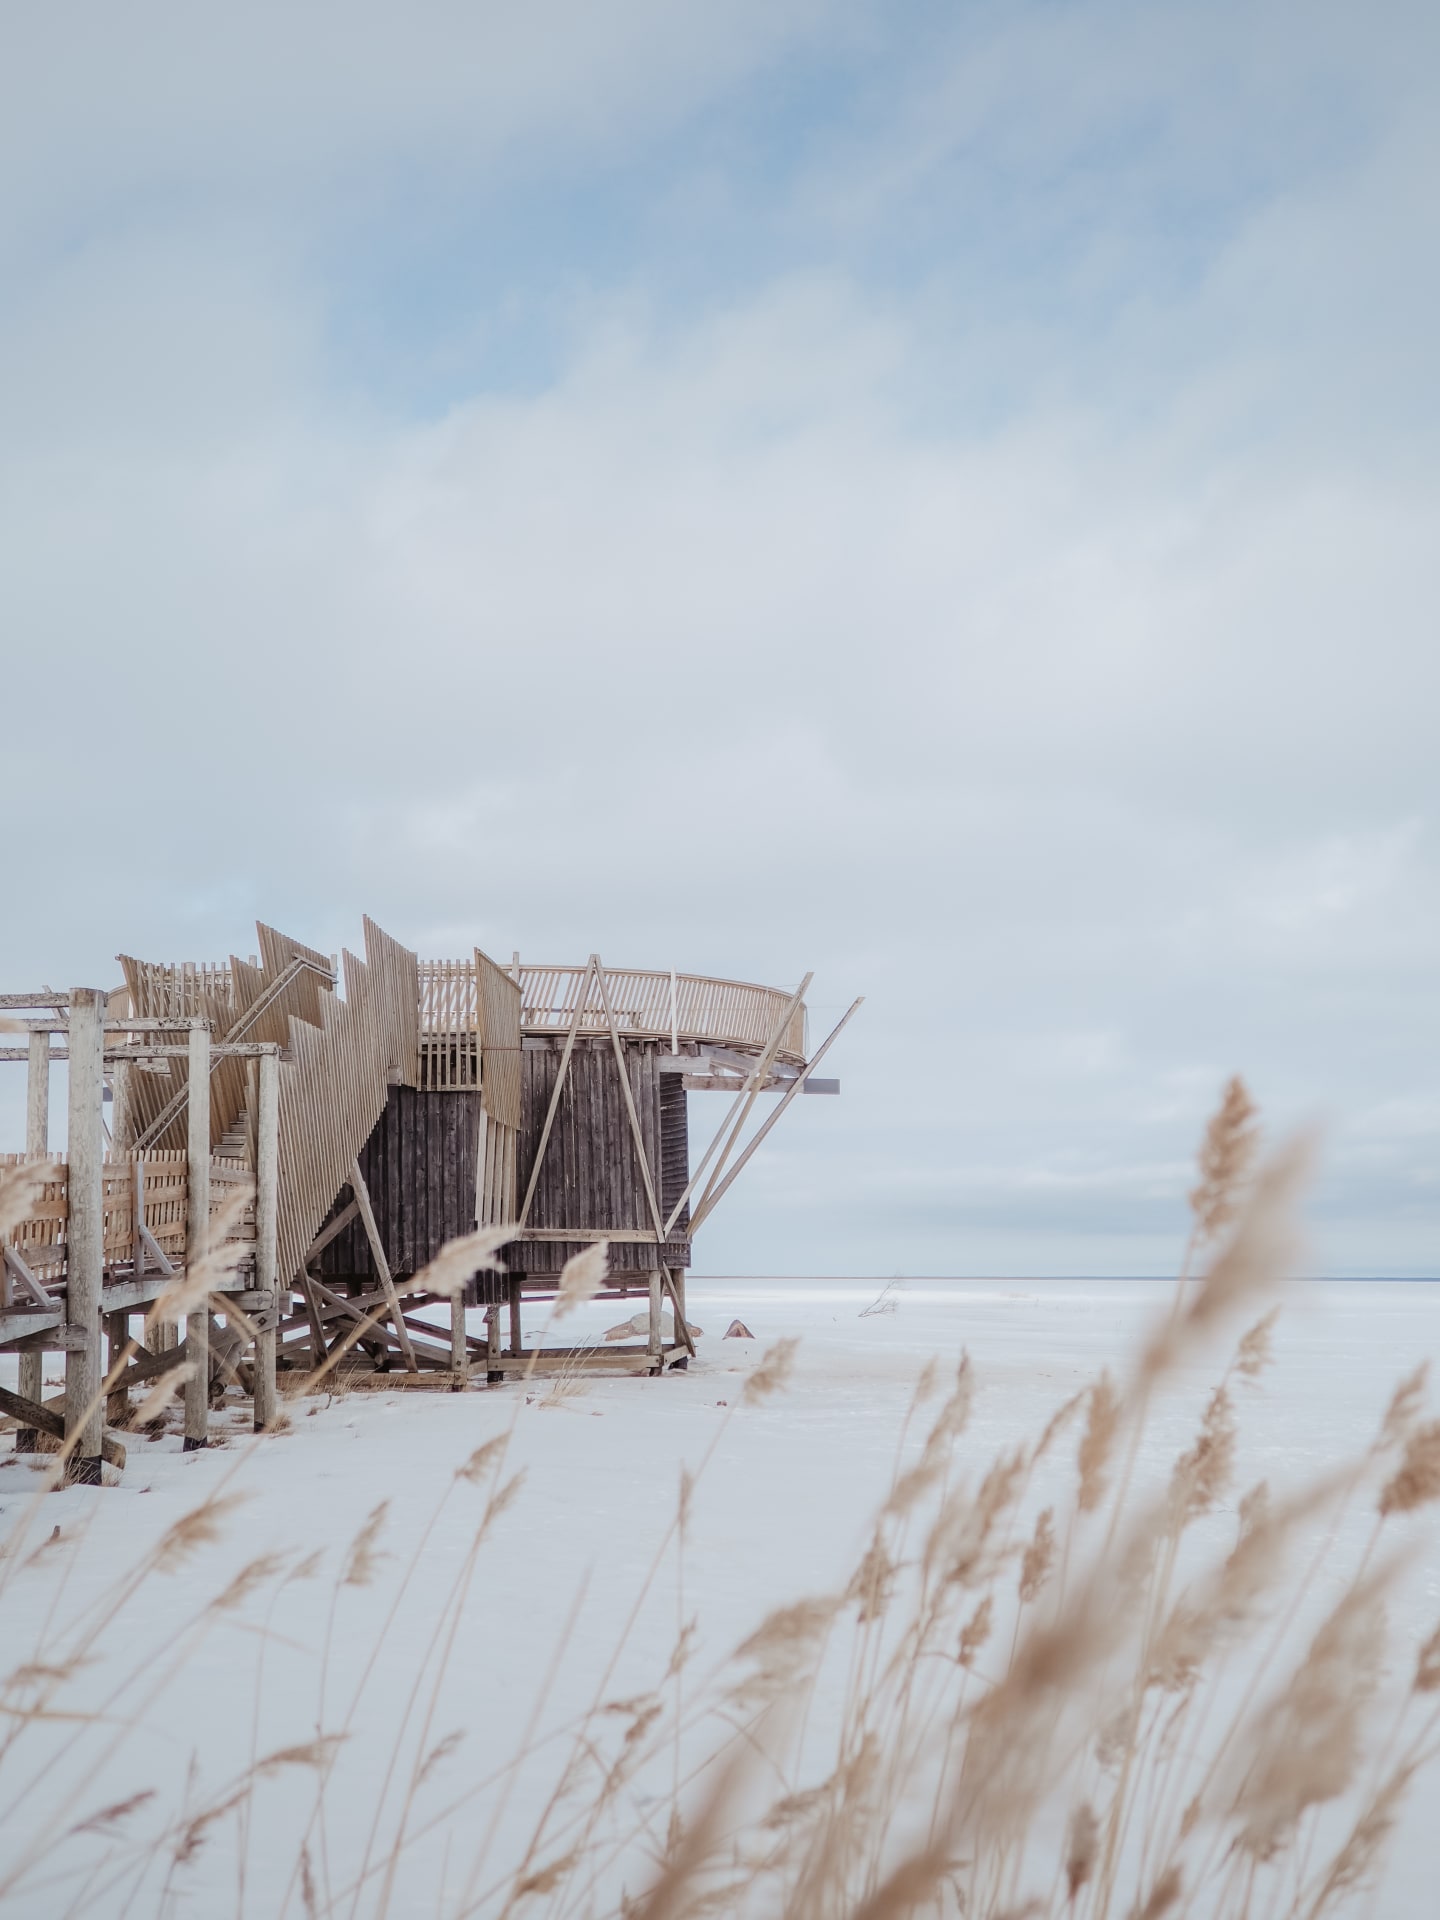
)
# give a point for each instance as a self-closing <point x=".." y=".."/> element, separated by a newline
<point x="334" y="1082"/>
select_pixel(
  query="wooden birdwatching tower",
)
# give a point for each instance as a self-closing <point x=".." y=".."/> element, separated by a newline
<point x="287" y="1159"/>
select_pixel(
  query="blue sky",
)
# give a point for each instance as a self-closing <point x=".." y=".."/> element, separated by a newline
<point x="945" y="496"/>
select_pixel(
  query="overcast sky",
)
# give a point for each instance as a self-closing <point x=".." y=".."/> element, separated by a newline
<point x="942" y="495"/>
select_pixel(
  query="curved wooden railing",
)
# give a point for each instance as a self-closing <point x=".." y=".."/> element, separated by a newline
<point x="647" y="1005"/>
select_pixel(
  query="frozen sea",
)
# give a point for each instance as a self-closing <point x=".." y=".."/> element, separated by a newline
<point x="186" y="1699"/>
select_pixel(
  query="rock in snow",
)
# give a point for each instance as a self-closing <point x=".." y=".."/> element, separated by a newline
<point x="638" y="1325"/>
<point x="737" y="1330"/>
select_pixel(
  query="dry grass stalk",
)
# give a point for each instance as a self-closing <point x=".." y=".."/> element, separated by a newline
<point x="1256" y="1350"/>
<point x="1226" y="1156"/>
<point x="1097" y="1443"/>
<point x="1265" y="1248"/>
<point x="459" y="1260"/>
<point x="1307" y="1744"/>
<point x="20" y="1188"/>
<point x="318" y="1755"/>
<point x="254" y="1575"/>
<point x="873" y="1581"/>
<point x="949" y="1424"/>
<point x="1058" y="1422"/>
<point x="108" y="1818"/>
<point x="201" y="1527"/>
<point x="161" y="1394"/>
<point x="1082" y="1849"/>
<point x="1416" y="1481"/>
<point x="439" y="1754"/>
<point x="772" y="1376"/>
<point x="1404" y="1408"/>
<point x="221" y="1258"/>
<point x="782" y="1648"/>
<point x="483" y="1459"/>
<point x="1039" y="1559"/>
<point x="976" y="1632"/>
<point x="1203" y="1475"/>
<point x="1427" y="1665"/>
<point x="581" y="1278"/>
<point x="1162" y="1897"/>
<point x="364" y="1560"/>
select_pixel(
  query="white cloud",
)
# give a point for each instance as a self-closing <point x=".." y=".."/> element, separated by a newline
<point x="1089" y="740"/>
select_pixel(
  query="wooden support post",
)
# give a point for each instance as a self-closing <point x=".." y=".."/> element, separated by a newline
<point x="117" y="1332"/>
<point x="267" y="1215"/>
<point x="37" y="1145"/>
<point x="459" y="1354"/>
<point x="37" y="1098"/>
<point x="517" y="1331"/>
<point x="494" y="1372"/>
<point x="85" y="1232"/>
<point x="682" y="1332"/>
<point x="122" y="1107"/>
<point x="656" y="1301"/>
<point x="674" y="1279"/>
<point x="197" y="1237"/>
<point x="382" y="1264"/>
<point x="318" y="1351"/>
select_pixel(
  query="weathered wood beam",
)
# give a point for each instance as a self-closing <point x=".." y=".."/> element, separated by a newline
<point x="22" y="1327"/>
<point x="37" y="1417"/>
<point x="382" y="1264"/>
<point x="627" y="1236"/>
<point x="16" y="1266"/>
<point x="332" y="1232"/>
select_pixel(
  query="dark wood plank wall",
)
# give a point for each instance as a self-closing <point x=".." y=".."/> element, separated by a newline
<point x="674" y="1149"/>
<point x="420" y="1164"/>
<point x="591" y="1175"/>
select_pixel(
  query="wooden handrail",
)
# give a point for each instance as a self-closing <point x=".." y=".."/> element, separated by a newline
<point x="651" y="1004"/>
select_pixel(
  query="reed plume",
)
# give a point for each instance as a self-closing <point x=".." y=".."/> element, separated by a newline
<point x="459" y="1260"/>
<point x="20" y="1187"/>
<point x="581" y="1278"/>
<point x="1416" y="1481"/>
<point x="1227" y="1154"/>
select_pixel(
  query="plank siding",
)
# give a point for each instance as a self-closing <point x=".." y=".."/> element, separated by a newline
<point x="674" y="1148"/>
<point x="591" y="1175"/>
<point x="419" y="1165"/>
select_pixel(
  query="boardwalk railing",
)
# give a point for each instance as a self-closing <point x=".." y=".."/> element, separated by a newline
<point x="152" y="1189"/>
<point x="649" y="1005"/>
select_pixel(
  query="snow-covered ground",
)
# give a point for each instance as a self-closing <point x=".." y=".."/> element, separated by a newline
<point x="780" y="1511"/>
